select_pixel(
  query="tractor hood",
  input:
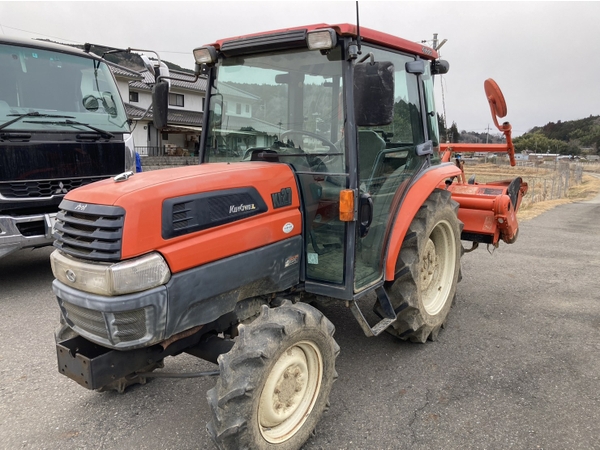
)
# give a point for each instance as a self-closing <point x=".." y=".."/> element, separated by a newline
<point x="215" y="210"/>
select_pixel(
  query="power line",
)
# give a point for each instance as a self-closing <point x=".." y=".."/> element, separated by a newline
<point x="76" y="42"/>
<point x="34" y="32"/>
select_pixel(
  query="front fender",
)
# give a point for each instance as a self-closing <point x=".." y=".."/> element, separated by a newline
<point x="432" y="178"/>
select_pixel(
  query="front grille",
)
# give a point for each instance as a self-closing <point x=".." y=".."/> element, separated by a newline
<point x="92" y="232"/>
<point x="42" y="188"/>
<point x="129" y="325"/>
<point x="126" y="326"/>
<point x="86" y="319"/>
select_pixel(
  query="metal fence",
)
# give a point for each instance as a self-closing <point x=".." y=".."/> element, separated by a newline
<point x="150" y="151"/>
<point x="555" y="184"/>
<point x="549" y="180"/>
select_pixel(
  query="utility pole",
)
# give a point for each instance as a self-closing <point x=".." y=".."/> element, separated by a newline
<point x="487" y="133"/>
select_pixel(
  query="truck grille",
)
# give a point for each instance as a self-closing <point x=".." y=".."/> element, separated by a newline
<point x="87" y="231"/>
<point x="42" y="188"/>
<point x="125" y="326"/>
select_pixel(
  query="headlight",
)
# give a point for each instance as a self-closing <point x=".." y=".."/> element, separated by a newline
<point x="324" y="39"/>
<point x="134" y="275"/>
<point x="205" y="55"/>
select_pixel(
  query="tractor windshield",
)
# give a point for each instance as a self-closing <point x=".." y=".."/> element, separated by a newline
<point x="286" y="103"/>
<point x="44" y="90"/>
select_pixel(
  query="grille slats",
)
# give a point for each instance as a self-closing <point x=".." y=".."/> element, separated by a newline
<point x="43" y="188"/>
<point x="127" y="326"/>
<point x="94" y="234"/>
<point x="130" y="325"/>
<point x="86" y="319"/>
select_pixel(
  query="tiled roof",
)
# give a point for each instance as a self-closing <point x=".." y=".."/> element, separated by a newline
<point x="124" y="71"/>
<point x="135" y="112"/>
<point x="147" y="81"/>
<point x="174" y="116"/>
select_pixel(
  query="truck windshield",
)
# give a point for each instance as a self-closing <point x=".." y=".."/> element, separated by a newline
<point x="39" y="84"/>
<point x="289" y="103"/>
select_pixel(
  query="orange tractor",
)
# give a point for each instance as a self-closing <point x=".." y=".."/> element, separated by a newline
<point x="321" y="176"/>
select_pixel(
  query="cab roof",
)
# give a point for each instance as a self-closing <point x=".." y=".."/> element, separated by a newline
<point x="45" y="45"/>
<point x="367" y="35"/>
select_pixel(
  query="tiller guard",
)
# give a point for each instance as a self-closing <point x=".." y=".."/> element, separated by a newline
<point x="488" y="210"/>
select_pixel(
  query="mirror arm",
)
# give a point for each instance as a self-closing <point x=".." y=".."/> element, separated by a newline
<point x="160" y="78"/>
<point x="506" y="129"/>
<point x="367" y="56"/>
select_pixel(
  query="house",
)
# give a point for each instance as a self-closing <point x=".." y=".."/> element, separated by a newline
<point x="185" y="114"/>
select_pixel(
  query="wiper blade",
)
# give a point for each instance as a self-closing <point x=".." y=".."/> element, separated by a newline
<point x="31" y="114"/>
<point x="104" y="134"/>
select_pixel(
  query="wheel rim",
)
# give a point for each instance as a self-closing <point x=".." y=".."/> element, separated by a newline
<point x="290" y="392"/>
<point x="438" y="262"/>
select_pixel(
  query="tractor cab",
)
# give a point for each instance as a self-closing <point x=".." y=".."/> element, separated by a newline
<point x="355" y="123"/>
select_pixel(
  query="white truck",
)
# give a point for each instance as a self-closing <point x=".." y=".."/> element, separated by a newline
<point x="62" y="125"/>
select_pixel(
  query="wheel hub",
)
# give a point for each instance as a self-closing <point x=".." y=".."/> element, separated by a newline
<point x="290" y="392"/>
<point x="437" y="267"/>
<point x="429" y="264"/>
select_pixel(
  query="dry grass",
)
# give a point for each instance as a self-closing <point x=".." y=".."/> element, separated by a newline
<point x="588" y="189"/>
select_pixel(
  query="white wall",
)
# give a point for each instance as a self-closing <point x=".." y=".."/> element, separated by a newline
<point x="192" y="101"/>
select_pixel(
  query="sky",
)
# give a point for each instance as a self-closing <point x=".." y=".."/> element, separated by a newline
<point x="544" y="55"/>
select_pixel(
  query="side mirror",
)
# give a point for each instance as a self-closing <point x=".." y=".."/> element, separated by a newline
<point x="160" y="104"/>
<point x="148" y="64"/>
<point x="439" y="67"/>
<point x="373" y="93"/>
<point x="426" y="148"/>
<point x="495" y="98"/>
<point x="416" y="67"/>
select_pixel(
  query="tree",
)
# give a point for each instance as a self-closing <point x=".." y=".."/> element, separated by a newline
<point x="442" y="128"/>
<point x="453" y="133"/>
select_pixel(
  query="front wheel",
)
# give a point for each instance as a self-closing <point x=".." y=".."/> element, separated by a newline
<point x="275" y="381"/>
<point x="427" y="270"/>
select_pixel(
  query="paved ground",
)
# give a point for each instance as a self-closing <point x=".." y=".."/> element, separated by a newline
<point x="518" y="366"/>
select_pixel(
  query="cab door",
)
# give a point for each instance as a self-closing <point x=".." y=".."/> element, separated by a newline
<point x="387" y="162"/>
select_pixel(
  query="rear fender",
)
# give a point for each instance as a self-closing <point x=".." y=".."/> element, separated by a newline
<point x="420" y="189"/>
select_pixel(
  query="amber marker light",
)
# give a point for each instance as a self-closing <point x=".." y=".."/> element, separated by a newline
<point x="347" y="205"/>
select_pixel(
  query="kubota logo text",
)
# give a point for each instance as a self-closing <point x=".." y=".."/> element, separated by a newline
<point x="241" y="208"/>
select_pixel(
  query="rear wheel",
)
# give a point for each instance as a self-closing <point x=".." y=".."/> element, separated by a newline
<point x="427" y="270"/>
<point x="275" y="381"/>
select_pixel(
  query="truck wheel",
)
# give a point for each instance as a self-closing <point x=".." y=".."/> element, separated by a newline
<point x="427" y="270"/>
<point x="275" y="381"/>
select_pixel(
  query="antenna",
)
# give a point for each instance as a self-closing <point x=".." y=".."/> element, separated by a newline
<point x="357" y="28"/>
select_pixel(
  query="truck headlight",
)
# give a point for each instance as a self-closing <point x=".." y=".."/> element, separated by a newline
<point x="126" y="277"/>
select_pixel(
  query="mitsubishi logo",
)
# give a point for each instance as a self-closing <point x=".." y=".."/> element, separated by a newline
<point x="61" y="189"/>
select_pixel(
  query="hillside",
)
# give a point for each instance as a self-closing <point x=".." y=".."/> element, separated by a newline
<point x="572" y="137"/>
<point x="129" y="60"/>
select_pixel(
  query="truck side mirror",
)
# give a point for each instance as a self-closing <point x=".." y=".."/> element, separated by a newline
<point x="160" y="104"/>
<point x="373" y="93"/>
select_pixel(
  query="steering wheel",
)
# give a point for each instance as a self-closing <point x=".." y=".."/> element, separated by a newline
<point x="331" y="145"/>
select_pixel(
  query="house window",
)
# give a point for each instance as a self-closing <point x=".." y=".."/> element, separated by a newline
<point x="175" y="99"/>
<point x="238" y="108"/>
<point x="247" y="108"/>
<point x="134" y="97"/>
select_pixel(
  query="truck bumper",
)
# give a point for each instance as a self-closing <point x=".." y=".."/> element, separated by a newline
<point x="25" y="232"/>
